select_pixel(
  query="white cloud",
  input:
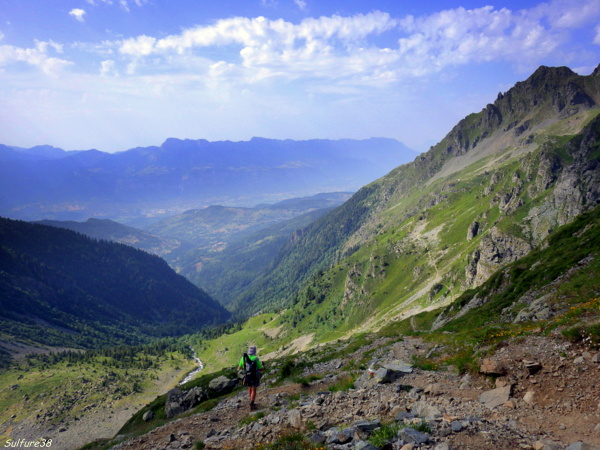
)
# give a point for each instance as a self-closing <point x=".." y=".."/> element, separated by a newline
<point x="597" y="38"/>
<point x="339" y="47"/>
<point x="325" y="47"/>
<point x="268" y="3"/>
<point x="108" y="67"/>
<point x="78" y="14"/>
<point x="566" y="13"/>
<point x="37" y="56"/>
<point x="301" y="4"/>
<point x="97" y="2"/>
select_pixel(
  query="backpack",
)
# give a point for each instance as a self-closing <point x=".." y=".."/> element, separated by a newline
<point x="250" y="370"/>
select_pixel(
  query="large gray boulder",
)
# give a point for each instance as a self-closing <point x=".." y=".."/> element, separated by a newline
<point x="194" y="397"/>
<point x="221" y="384"/>
<point x="388" y="373"/>
<point x="173" y="403"/>
<point x="399" y="368"/>
<point x="495" y="397"/>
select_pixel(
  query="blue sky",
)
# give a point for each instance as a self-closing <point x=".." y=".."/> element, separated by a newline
<point x="116" y="74"/>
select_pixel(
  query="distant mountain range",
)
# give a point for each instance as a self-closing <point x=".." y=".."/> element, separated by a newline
<point x="49" y="183"/>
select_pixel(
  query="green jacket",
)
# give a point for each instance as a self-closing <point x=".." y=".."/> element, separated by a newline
<point x="259" y="365"/>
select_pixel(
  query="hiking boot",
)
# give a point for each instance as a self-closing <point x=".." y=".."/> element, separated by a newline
<point x="253" y="406"/>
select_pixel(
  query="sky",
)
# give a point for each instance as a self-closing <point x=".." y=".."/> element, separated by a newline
<point x="118" y="74"/>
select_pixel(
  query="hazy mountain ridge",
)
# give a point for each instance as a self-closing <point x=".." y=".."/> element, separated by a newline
<point x="184" y="174"/>
<point x="215" y="225"/>
<point x="487" y="194"/>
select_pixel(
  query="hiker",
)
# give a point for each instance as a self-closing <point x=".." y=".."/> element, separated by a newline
<point x="252" y="368"/>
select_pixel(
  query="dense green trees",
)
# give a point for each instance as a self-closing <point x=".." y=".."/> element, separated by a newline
<point x="61" y="288"/>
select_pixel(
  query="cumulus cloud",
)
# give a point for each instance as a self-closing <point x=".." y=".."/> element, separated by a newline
<point x="372" y="49"/>
<point x="78" y="14"/>
<point x="338" y="47"/>
<point x="268" y="48"/>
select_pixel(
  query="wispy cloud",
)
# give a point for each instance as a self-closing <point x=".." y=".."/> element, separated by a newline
<point x="37" y="56"/>
<point x="301" y="4"/>
<point x="78" y="14"/>
<point x="124" y="4"/>
<point x="108" y="67"/>
<point x="97" y="2"/>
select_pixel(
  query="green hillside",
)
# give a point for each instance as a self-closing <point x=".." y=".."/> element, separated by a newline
<point x="63" y="289"/>
<point x="225" y="273"/>
<point x="554" y="288"/>
<point x="416" y="239"/>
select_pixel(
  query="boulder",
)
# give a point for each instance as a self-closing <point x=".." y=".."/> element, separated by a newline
<point x="456" y="426"/>
<point x="529" y="397"/>
<point x="581" y="446"/>
<point x="367" y="426"/>
<point x="173" y="402"/>
<point x="492" y="367"/>
<point x="385" y="374"/>
<point x="413" y="436"/>
<point x="340" y="436"/>
<point x="399" y="368"/>
<point x="496" y="397"/>
<point x="434" y="389"/>
<point x="401" y="417"/>
<point x="317" y="438"/>
<point x="221" y="384"/>
<point x="532" y="367"/>
<point x="364" y="445"/>
<point x="148" y="415"/>
<point x="382" y="376"/>
<point x="546" y="445"/>
<point x="194" y="397"/>
<point x="425" y="410"/>
<point x="295" y="418"/>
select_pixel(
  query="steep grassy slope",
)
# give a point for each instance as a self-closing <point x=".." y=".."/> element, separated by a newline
<point x="60" y="288"/>
<point x="417" y="238"/>
<point x="555" y="287"/>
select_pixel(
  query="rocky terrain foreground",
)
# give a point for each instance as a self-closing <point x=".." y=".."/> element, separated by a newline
<point x="534" y="393"/>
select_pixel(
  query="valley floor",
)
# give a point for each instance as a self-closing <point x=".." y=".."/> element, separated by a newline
<point x="553" y="408"/>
